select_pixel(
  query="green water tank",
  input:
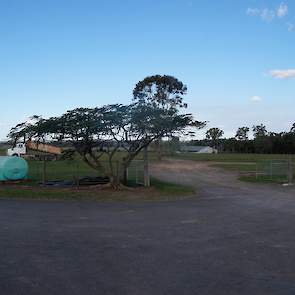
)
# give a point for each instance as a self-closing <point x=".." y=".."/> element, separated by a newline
<point x="13" y="168"/>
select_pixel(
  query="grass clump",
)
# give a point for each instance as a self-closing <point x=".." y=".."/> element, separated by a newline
<point x="171" y="188"/>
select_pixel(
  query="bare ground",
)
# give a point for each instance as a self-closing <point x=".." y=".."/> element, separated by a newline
<point x="194" y="173"/>
<point x="214" y="182"/>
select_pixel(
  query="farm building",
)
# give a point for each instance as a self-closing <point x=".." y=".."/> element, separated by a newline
<point x="198" y="149"/>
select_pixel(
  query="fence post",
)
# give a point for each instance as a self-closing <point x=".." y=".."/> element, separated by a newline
<point x="78" y="176"/>
<point x="44" y="171"/>
<point x="136" y="174"/>
<point x="271" y="170"/>
<point x="290" y="170"/>
<point x="146" y="168"/>
<point x="118" y="173"/>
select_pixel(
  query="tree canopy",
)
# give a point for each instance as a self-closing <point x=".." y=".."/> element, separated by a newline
<point x="161" y="91"/>
<point x="214" y="134"/>
<point x="242" y="133"/>
<point x="259" y="130"/>
<point x="102" y="132"/>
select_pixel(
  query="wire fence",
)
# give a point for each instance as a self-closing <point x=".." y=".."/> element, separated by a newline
<point x="74" y="172"/>
<point x="135" y="172"/>
<point x="278" y="170"/>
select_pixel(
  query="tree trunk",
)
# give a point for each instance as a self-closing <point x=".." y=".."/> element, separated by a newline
<point x="125" y="175"/>
<point x="115" y="175"/>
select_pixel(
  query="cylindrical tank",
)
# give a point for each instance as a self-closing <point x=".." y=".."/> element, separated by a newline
<point x="13" y="168"/>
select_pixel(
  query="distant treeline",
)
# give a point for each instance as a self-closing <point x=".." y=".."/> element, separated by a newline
<point x="284" y="144"/>
<point x="264" y="142"/>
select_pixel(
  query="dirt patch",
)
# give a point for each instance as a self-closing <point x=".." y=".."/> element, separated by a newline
<point x="194" y="173"/>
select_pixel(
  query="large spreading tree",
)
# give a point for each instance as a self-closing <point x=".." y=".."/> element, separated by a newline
<point x="102" y="135"/>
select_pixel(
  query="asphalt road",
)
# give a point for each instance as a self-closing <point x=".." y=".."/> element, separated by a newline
<point x="225" y="241"/>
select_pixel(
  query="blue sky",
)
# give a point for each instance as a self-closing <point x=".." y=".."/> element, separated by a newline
<point x="236" y="57"/>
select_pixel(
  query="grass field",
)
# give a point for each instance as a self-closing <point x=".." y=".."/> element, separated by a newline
<point x="250" y="158"/>
<point x="248" y="172"/>
<point x="60" y="170"/>
<point x="248" y="165"/>
<point x="72" y="170"/>
<point x="245" y="164"/>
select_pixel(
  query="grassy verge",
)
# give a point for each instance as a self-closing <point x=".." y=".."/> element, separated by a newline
<point x="263" y="179"/>
<point x="247" y="173"/>
<point x="232" y="157"/>
<point x="239" y="167"/>
<point x="171" y="188"/>
<point x="160" y="191"/>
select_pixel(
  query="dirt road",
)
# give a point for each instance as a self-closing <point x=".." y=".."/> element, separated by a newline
<point x="213" y="183"/>
<point x="232" y="238"/>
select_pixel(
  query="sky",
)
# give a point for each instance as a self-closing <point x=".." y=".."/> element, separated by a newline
<point x="237" y="57"/>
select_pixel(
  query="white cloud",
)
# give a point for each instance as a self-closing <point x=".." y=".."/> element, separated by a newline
<point x="291" y="27"/>
<point x="256" y="98"/>
<point x="267" y="15"/>
<point x="253" y="11"/>
<point x="282" y="10"/>
<point x="283" y="74"/>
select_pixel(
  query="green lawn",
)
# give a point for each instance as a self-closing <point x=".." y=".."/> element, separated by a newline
<point x="248" y="171"/>
<point x="263" y="179"/>
<point x="171" y="188"/>
<point x="241" y="167"/>
<point x="247" y="165"/>
<point x="232" y="157"/>
<point x="60" y="170"/>
<point x="74" y="169"/>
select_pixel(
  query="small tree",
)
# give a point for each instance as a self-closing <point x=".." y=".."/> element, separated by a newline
<point x="214" y="134"/>
<point x="242" y="133"/>
<point x="259" y="131"/>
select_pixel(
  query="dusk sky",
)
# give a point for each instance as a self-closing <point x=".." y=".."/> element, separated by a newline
<point x="237" y="58"/>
